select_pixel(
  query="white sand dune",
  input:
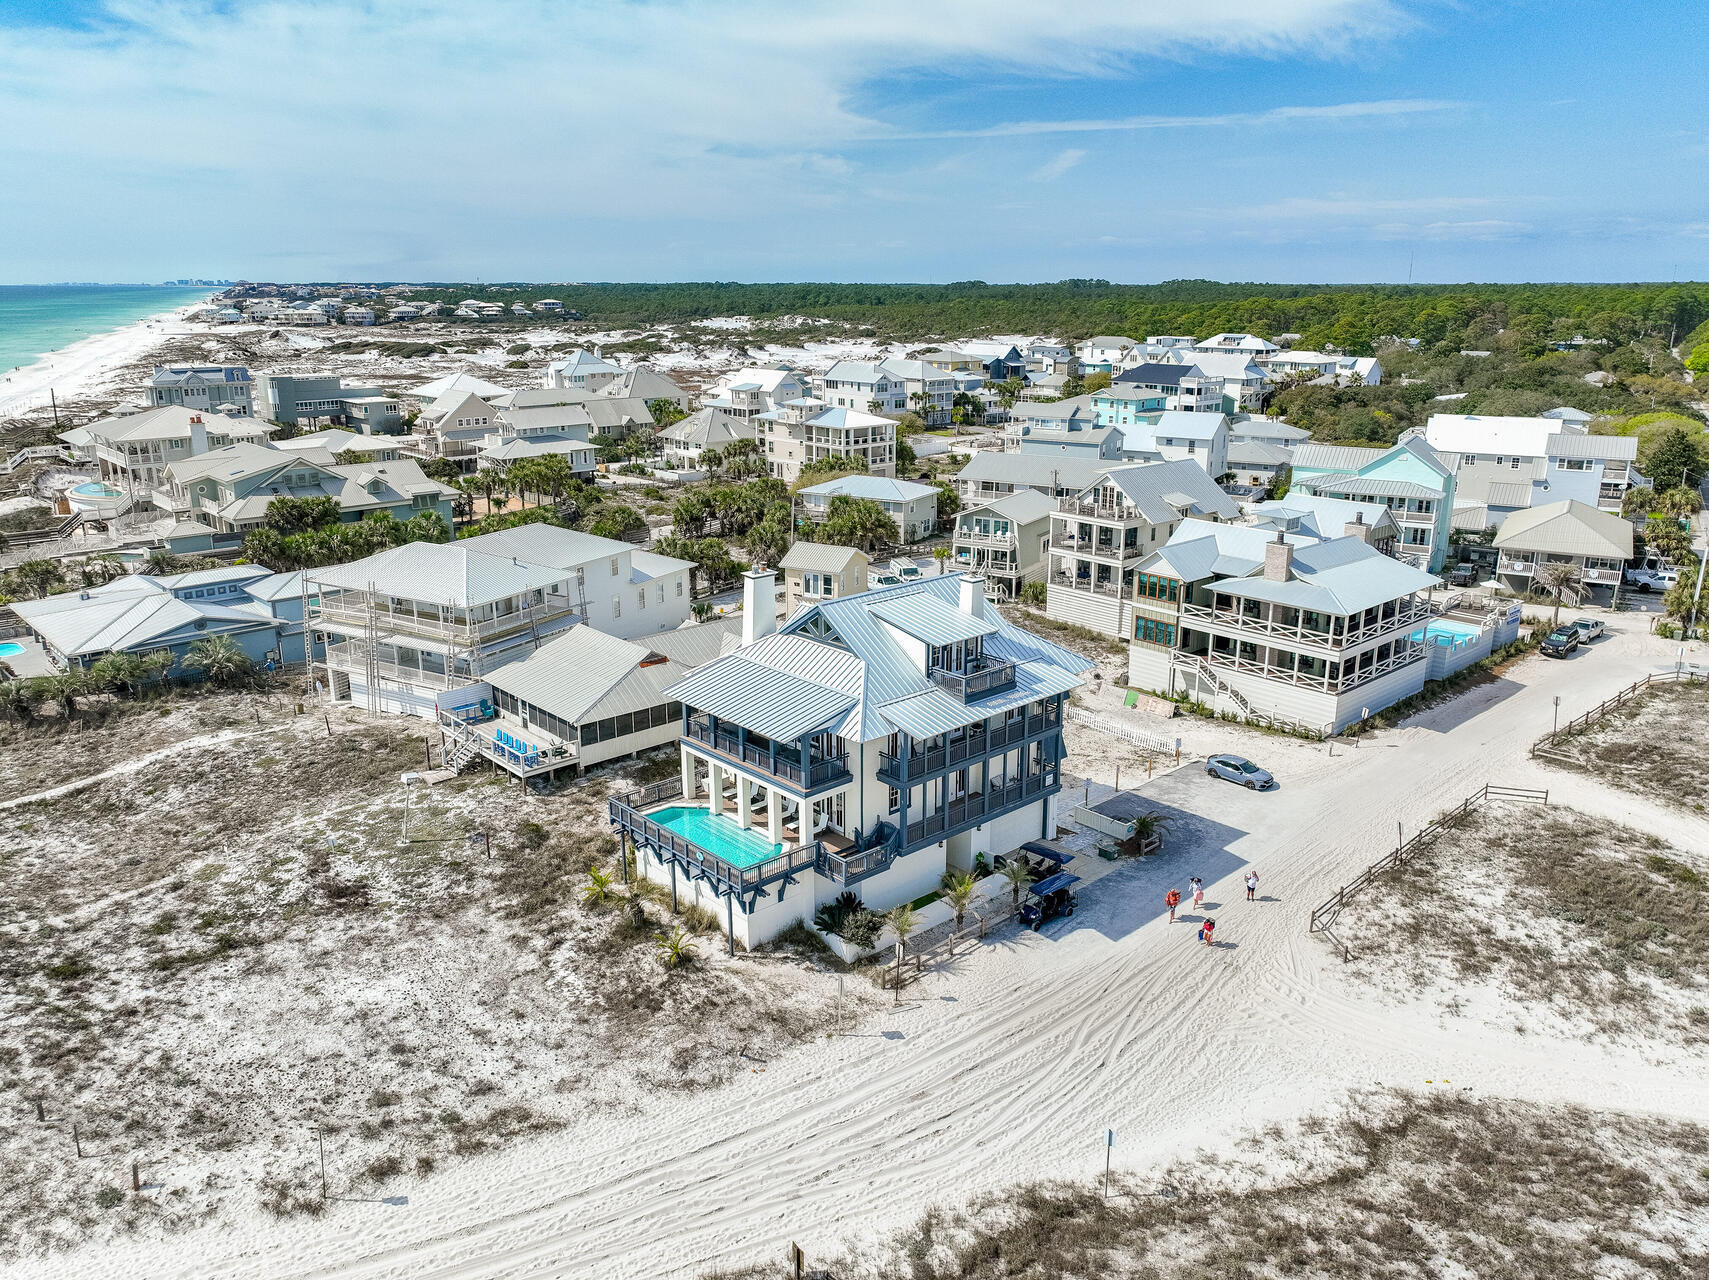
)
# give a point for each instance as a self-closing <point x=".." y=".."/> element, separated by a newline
<point x="1011" y="1066"/>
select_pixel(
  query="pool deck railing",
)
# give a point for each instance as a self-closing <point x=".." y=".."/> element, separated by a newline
<point x="629" y="814"/>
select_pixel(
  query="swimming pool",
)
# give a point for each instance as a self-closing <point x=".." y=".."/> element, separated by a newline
<point x="1442" y="631"/>
<point x="717" y="834"/>
<point x="98" y="489"/>
<point x="9" y="649"/>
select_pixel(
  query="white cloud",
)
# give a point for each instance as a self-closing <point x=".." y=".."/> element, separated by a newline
<point x="1240" y="119"/>
<point x="1058" y="165"/>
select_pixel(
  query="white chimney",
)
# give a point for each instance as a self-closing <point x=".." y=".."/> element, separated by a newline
<point x="759" y="604"/>
<point x="972" y="595"/>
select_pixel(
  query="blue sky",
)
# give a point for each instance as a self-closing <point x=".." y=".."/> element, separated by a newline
<point x="1271" y="140"/>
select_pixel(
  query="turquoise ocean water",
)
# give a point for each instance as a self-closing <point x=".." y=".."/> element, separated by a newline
<point x="37" y="319"/>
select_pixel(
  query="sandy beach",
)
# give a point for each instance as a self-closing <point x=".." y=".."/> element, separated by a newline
<point x="84" y="368"/>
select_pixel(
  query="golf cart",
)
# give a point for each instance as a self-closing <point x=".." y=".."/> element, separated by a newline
<point x="1048" y="898"/>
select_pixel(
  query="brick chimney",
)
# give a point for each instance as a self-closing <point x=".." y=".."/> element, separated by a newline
<point x="972" y="598"/>
<point x="1357" y="528"/>
<point x="1278" y="558"/>
<point x="759" y="604"/>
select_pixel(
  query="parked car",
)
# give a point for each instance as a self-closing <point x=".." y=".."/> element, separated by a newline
<point x="1048" y="898"/>
<point x="1589" y="628"/>
<point x="1462" y="575"/>
<point x="1647" y="580"/>
<point x="1560" y="642"/>
<point x="1243" y="771"/>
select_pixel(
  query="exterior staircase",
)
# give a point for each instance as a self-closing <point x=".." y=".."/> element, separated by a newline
<point x="1199" y="667"/>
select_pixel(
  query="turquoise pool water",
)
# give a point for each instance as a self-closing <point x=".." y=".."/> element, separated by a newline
<point x="717" y="834"/>
<point x="98" y="489"/>
<point x="1451" y="633"/>
<point x="10" y="650"/>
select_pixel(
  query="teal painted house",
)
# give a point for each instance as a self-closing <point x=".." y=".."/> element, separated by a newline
<point x="1412" y="480"/>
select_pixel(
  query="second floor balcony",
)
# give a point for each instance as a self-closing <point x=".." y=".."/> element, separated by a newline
<point x="805" y="771"/>
<point x="1302" y="628"/>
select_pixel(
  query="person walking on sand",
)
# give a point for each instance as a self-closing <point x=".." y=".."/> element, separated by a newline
<point x="1172" y="899"/>
<point x="1198" y="887"/>
<point x="1251" y="886"/>
<point x="1207" y="932"/>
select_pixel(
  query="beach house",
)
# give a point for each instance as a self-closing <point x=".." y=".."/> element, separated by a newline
<point x="144" y="613"/>
<point x="1294" y="629"/>
<point x="132" y="452"/>
<point x="411" y="622"/>
<point x="1181" y="386"/>
<point x="296" y="399"/>
<point x="868" y="745"/>
<point x="1099" y="536"/>
<point x="580" y="699"/>
<point x="582" y="369"/>
<point x="1005" y="541"/>
<point x="815" y="571"/>
<point x="751" y="391"/>
<point x="806" y="431"/>
<point x="1597" y="544"/>
<point x="914" y="507"/>
<point x="210" y="388"/>
<point x="989" y="475"/>
<point x="1177" y="435"/>
<point x="1508" y="464"/>
<point x="1411" y="479"/>
<point x="708" y="427"/>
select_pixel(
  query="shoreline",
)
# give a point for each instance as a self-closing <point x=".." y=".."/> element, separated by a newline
<point x="77" y="369"/>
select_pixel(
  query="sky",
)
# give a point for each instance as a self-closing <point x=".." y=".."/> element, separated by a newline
<point x="867" y="140"/>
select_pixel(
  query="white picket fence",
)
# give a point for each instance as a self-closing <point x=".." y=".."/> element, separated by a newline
<point x="1151" y="743"/>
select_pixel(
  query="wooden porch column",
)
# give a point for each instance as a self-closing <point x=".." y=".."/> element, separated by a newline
<point x="774" y="814"/>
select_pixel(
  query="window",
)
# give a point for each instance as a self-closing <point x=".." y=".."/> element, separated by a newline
<point x="641" y="598"/>
<point x="894" y="799"/>
<point x="1162" y="633"/>
<point x="1515" y="465"/>
<point x="614" y="566"/>
<point x="617" y="606"/>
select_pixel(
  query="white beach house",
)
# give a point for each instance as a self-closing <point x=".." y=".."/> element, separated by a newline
<point x="871" y="744"/>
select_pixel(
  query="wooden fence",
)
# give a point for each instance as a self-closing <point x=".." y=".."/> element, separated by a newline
<point x="911" y="963"/>
<point x="1680" y="675"/>
<point x="1328" y="911"/>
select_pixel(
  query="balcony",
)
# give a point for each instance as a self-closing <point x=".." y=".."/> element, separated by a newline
<point x="975" y="746"/>
<point x="1069" y="582"/>
<point x="1524" y="568"/>
<point x="1098" y="510"/>
<point x="1408" y="653"/>
<point x="860" y="858"/>
<point x="783" y="764"/>
<point x="987" y="678"/>
<point x="1403" y="516"/>
<point x="349" y="611"/>
<point x="975" y="807"/>
<point x="1294" y="634"/>
<point x="1097" y="549"/>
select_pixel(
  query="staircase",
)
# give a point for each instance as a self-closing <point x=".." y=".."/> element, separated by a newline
<point x="461" y="752"/>
<point x="1198" y="666"/>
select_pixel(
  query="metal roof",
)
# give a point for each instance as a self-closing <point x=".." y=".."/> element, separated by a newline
<point x="1567" y="529"/>
<point x="1367" y="486"/>
<point x="863" y="664"/>
<point x="1165" y="491"/>
<point x="930" y="619"/>
<point x="877" y="488"/>
<point x="991" y="467"/>
<point x="1023" y="507"/>
<point x="821" y="557"/>
<point x="1611" y="448"/>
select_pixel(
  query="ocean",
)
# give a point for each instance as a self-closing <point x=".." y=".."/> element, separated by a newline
<point x="37" y="319"/>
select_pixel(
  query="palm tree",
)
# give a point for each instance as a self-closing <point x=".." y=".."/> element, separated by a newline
<point x="117" y="670"/>
<point x="598" y="887"/>
<point x="1019" y="873"/>
<point x="673" y="948"/>
<point x="941" y="555"/>
<point x="959" y="890"/>
<point x="20" y="698"/>
<point x="901" y="918"/>
<point x="38" y="577"/>
<point x="66" y="687"/>
<point x="220" y="659"/>
<point x="1558" y="577"/>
